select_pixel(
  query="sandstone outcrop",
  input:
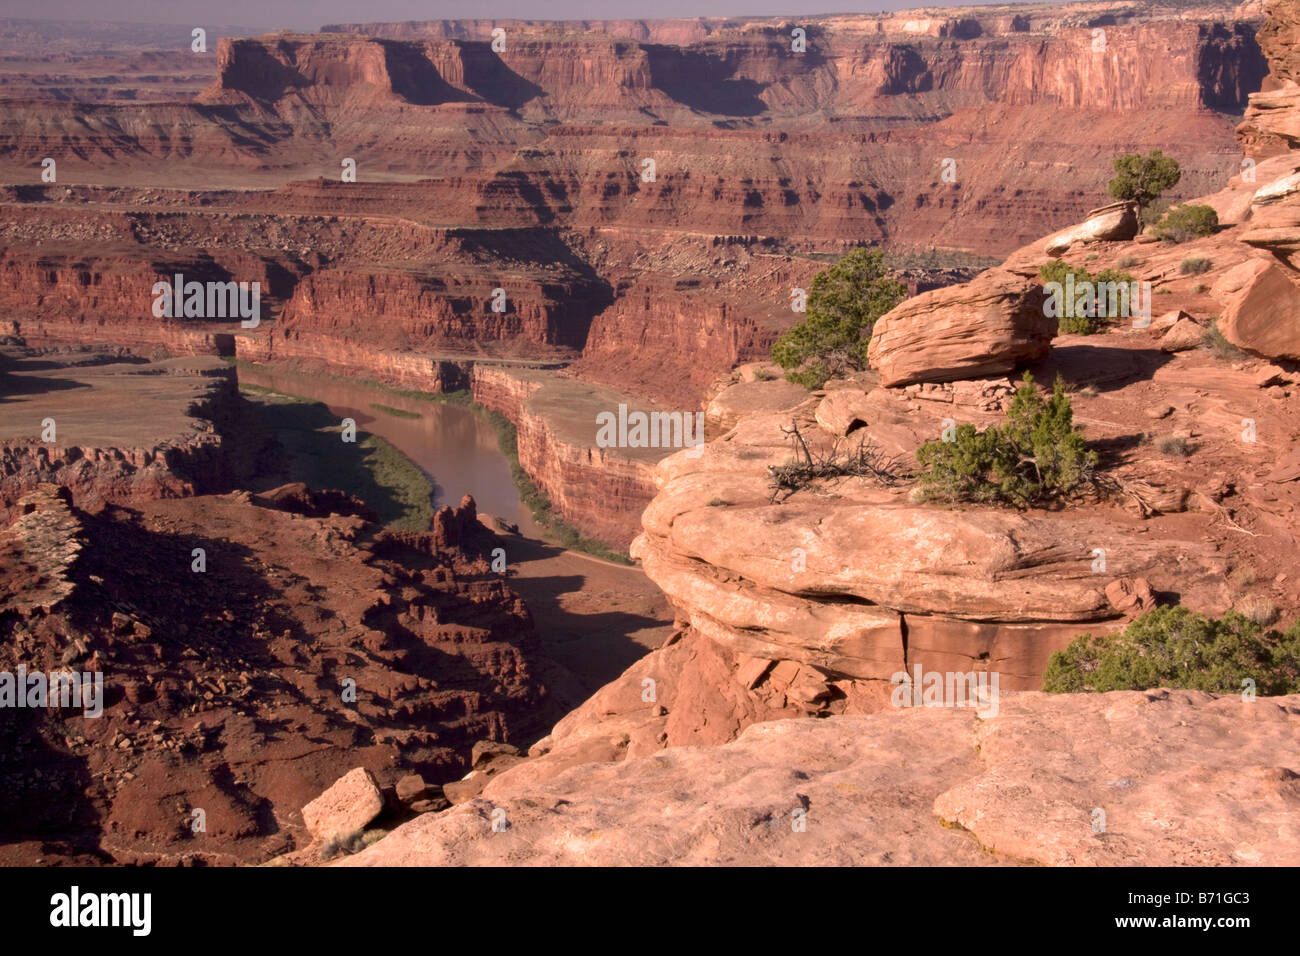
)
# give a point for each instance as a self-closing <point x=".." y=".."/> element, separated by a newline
<point x="1272" y="120"/>
<point x="1180" y="778"/>
<point x="1111" y="223"/>
<point x="858" y="583"/>
<point x="1263" y="314"/>
<point x="1261" y="295"/>
<point x="983" y="328"/>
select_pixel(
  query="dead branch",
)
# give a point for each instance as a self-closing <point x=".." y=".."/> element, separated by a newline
<point x="843" y="460"/>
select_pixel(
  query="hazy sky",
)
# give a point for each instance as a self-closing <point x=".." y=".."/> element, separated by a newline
<point x="308" y="14"/>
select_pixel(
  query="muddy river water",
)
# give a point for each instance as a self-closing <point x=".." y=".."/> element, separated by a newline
<point x="453" y="445"/>
<point x="594" y="618"/>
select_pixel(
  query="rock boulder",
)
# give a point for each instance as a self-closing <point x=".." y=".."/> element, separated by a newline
<point x="346" y="807"/>
<point x="1116" y="222"/>
<point x="983" y="328"/>
<point x="1263" y="313"/>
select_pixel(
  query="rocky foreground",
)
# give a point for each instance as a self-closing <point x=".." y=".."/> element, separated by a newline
<point x="1160" y="779"/>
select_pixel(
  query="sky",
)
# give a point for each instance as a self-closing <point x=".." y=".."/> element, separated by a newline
<point x="310" y="14"/>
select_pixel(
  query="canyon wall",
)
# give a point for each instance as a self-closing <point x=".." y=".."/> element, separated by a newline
<point x="600" y="491"/>
<point x="1271" y="127"/>
<point x="647" y="195"/>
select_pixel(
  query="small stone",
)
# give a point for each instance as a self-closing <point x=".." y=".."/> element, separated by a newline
<point x="1270" y="375"/>
<point x="1130" y="596"/>
<point x="461" y="791"/>
<point x="1183" y="336"/>
<point x="411" y="788"/>
<point x="346" y="807"/>
<point x="434" y="805"/>
<point x="486" y="751"/>
<point x="1168" y="320"/>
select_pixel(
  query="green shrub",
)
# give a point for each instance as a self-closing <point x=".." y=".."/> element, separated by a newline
<point x="1058" y="271"/>
<point x="1079" y="325"/>
<point x="1156" y="210"/>
<point x="1186" y="222"/>
<point x="812" y="376"/>
<point x="1177" y="648"/>
<point x="1036" y="455"/>
<point x="1194" y="266"/>
<point x="1142" y="178"/>
<point x="844" y="302"/>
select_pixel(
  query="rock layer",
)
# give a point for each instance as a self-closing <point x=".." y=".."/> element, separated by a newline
<point x="917" y="787"/>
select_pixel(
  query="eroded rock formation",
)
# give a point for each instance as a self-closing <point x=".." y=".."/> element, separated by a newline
<point x="503" y="207"/>
<point x="1182" y="778"/>
<point x="251" y="648"/>
<point x="306" y="647"/>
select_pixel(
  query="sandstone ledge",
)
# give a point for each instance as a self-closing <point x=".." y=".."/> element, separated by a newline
<point x="1182" y="778"/>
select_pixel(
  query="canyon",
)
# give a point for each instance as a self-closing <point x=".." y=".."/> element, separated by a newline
<point x="940" y="138"/>
<point x="613" y="215"/>
<point x="812" y="604"/>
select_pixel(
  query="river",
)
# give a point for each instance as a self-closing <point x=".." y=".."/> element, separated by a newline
<point x="453" y="445"/>
<point x="594" y="618"/>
